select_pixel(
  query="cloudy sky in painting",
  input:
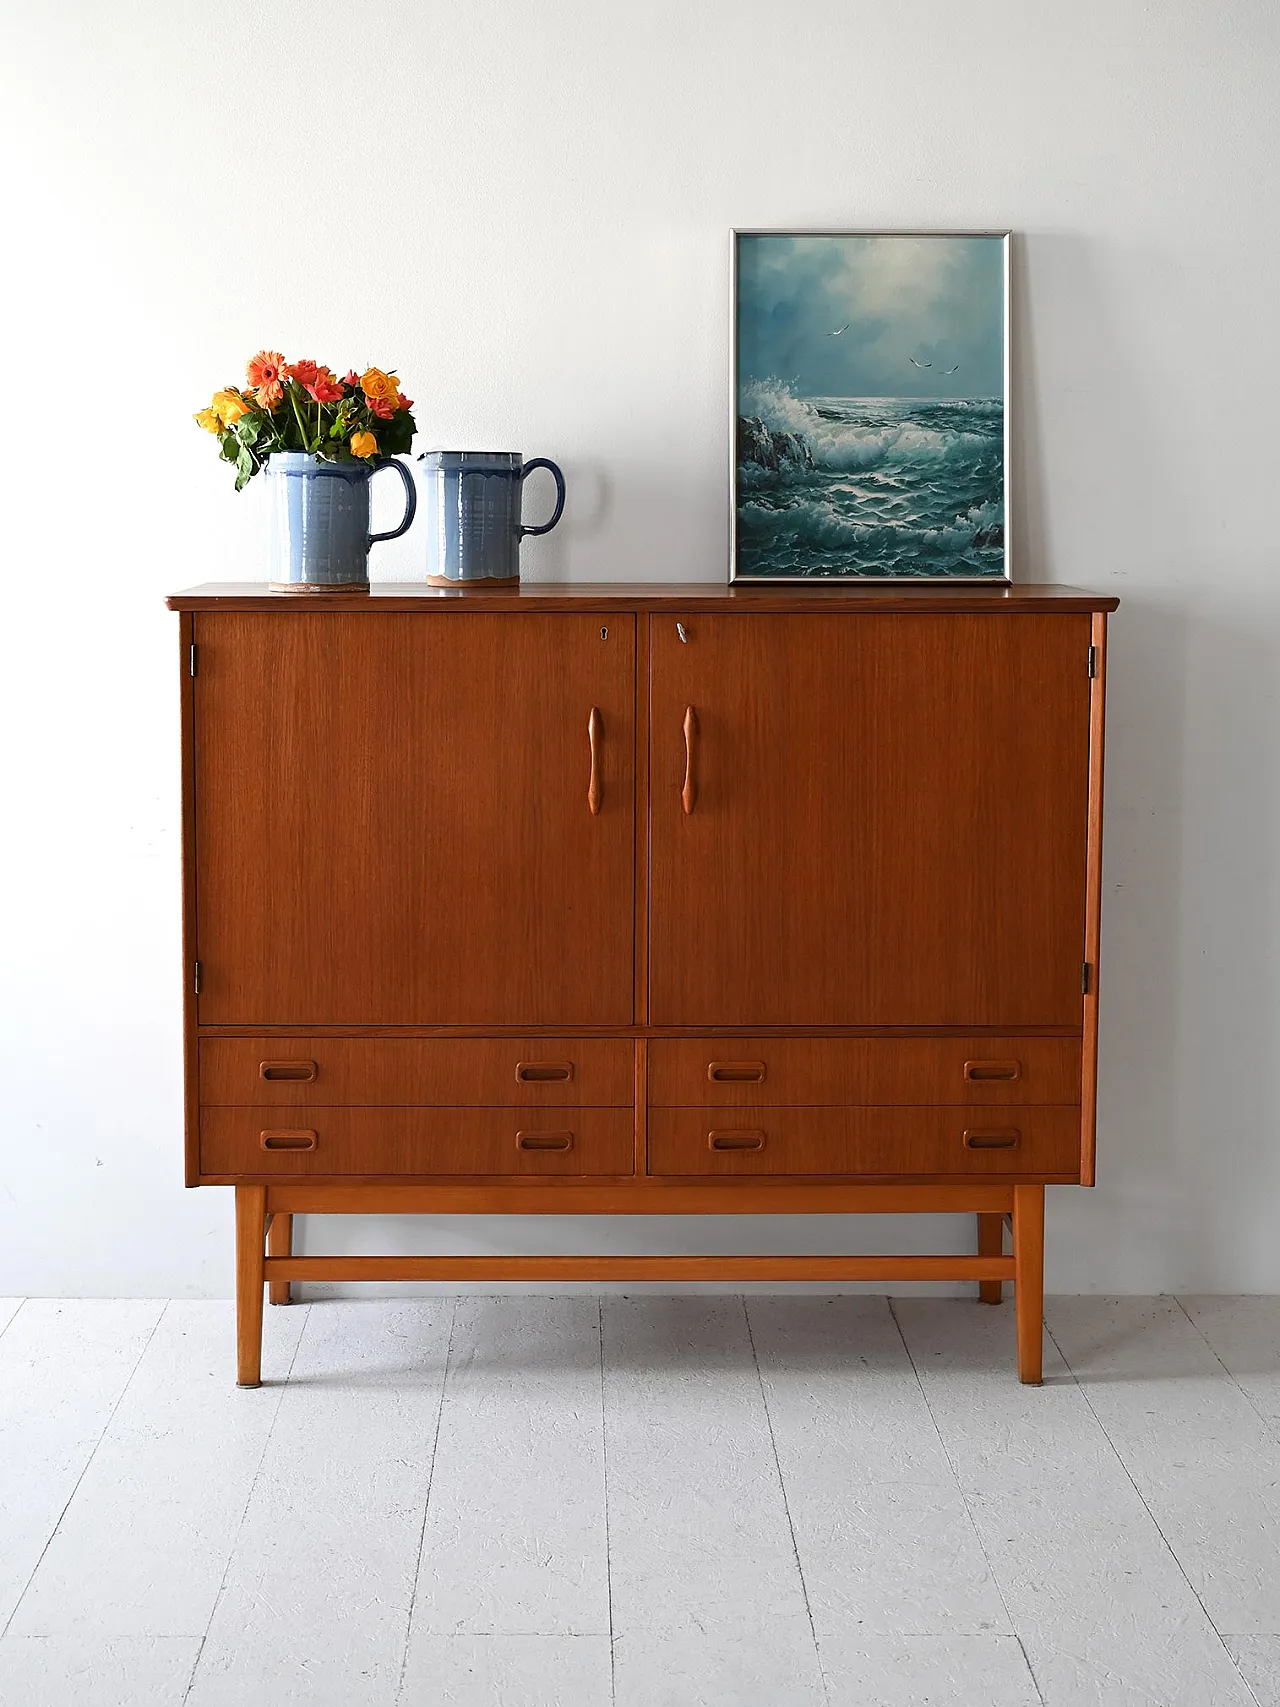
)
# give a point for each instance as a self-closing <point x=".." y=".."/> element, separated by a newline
<point x="937" y="299"/>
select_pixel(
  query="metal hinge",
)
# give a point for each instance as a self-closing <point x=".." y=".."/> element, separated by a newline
<point x="193" y="660"/>
<point x="199" y="971"/>
<point x="1093" y="662"/>
<point x="1084" y="978"/>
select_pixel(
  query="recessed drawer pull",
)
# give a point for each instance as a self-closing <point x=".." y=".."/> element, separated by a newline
<point x="1003" y="1138"/>
<point x="735" y="1140"/>
<point x="298" y="1140"/>
<point x="543" y="1072"/>
<point x="544" y="1140"/>
<point x="979" y="1072"/>
<point x="736" y="1072"/>
<point x="300" y="1072"/>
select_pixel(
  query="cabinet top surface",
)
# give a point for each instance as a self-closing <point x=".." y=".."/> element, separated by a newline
<point x="648" y="595"/>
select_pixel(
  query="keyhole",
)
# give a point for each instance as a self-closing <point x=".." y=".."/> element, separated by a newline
<point x="604" y="634"/>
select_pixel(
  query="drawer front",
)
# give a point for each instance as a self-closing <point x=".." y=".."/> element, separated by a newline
<point x="812" y="1072"/>
<point x="462" y="1072"/>
<point x="265" y="1142"/>
<point x="897" y="1142"/>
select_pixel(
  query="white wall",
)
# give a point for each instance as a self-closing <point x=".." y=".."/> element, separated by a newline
<point x="524" y="208"/>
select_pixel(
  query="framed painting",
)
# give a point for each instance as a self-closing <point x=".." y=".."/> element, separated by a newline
<point x="870" y="381"/>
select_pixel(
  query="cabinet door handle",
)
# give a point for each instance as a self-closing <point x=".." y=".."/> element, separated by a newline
<point x="288" y="1140"/>
<point x="1001" y="1138"/>
<point x="544" y="1140"/>
<point x="297" y="1072"/>
<point x="736" y="1072"/>
<point x="595" y="735"/>
<point x="979" y="1072"/>
<point x="689" y="793"/>
<point x="735" y="1140"/>
<point x="543" y="1072"/>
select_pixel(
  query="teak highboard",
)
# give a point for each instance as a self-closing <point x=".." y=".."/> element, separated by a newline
<point x="642" y="900"/>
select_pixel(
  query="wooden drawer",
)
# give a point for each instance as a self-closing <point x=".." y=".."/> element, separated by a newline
<point x="816" y="1071"/>
<point x="899" y="1142"/>
<point x="442" y="1072"/>
<point x="264" y="1142"/>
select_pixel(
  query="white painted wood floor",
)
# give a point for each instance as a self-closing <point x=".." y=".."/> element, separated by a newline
<point x="571" y="1502"/>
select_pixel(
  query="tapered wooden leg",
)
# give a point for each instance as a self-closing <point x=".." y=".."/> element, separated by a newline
<point x="279" y="1244"/>
<point x="1028" y="1279"/>
<point x="251" y="1219"/>
<point x="990" y="1244"/>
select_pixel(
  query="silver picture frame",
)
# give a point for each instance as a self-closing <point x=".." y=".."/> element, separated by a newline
<point x="845" y="575"/>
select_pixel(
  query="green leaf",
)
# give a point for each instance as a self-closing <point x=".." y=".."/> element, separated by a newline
<point x="247" y="428"/>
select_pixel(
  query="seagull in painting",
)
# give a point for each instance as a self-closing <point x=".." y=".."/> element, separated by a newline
<point x="915" y="363"/>
<point x="839" y="330"/>
<point x="955" y="369"/>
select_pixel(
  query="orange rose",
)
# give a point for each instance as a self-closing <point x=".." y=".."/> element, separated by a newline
<point x="378" y="386"/>
<point x="383" y="407"/>
<point x="364" y="444"/>
<point x="303" y="372"/>
<point x="230" y="406"/>
<point x="324" y="387"/>
<point x="266" y="374"/>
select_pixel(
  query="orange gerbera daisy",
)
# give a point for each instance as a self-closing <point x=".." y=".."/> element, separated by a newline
<point x="266" y="375"/>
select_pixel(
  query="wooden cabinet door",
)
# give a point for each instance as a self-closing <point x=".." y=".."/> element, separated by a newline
<point x="394" y="818"/>
<point x="873" y="820"/>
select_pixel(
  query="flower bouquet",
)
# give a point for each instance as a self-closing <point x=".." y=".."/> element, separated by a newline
<point x="319" y="439"/>
<point x="303" y="407"/>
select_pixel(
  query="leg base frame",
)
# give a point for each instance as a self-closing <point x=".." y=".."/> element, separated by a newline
<point x="275" y="1267"/>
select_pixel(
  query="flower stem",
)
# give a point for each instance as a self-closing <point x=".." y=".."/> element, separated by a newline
<point x="298" y="418"/>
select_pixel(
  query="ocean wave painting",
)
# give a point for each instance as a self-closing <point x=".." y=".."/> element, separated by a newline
<point x="870" y="396"/>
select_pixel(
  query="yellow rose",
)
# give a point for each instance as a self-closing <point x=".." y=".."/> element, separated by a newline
<point x="378" y="386"/>
<point x="209" y="419"/>
<point x="363" y="444"/>
<point x="230" y="406"/>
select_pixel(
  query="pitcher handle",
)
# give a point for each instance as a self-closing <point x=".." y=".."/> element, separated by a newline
<point x="410" y="499"/>
<point x="528" y="468"/>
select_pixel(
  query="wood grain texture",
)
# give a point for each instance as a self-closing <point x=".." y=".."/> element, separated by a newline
<point x="650" y="595"/>
<point x="441" y="1072"/>
<point x="392" y="822"/>
<point x="641" y="1197"/>
<point x="279" y="1244"/>
<point x="190" y="1005"/>
<point x="902" y="1140"/>
<point x="416" y="1141"/>
<point x="1093" y="906"/>
<point x="802" y="1071"/>
<point x="1028" y="1280"/>
<point x="990" y="1244"/>
<point x="251" y="1219"/>
<point x="642" y="1268"/>
<point x="891" y="820"/>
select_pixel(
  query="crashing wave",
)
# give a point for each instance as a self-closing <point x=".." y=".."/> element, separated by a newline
<point x="779" y="415"/>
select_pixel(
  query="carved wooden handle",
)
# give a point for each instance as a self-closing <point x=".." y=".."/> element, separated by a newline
<point x="595" y="734"/>
<point x="735" y="1140"/>
<point x="1005" y="1138"/>
<point x="299" y="1072"/>
<point x="543" y="1072"/>
<point x="297" y="1140"/>
<point x="544" y="1140"/>
<point x="978" y="1072"/>
<point x="736" y="1072"/>
<point x="689" y="793"/>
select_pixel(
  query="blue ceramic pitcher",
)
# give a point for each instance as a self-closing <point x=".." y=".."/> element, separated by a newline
<point x="319" y="521"/>
<point x="474" y="530"/>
